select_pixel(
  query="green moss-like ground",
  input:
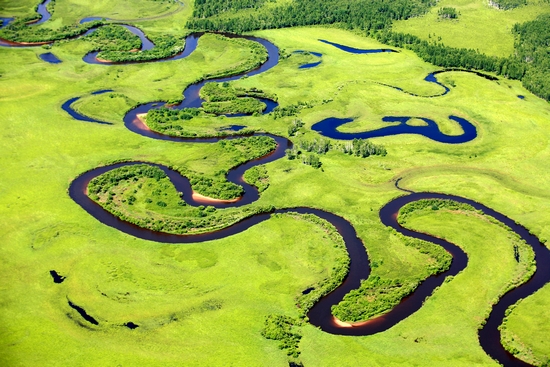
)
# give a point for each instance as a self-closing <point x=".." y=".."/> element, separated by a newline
<point x="205" y="304"/>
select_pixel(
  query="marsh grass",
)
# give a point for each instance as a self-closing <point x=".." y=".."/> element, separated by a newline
<point x="205" y="304"/>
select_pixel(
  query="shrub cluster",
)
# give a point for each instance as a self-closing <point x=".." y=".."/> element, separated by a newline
<point x="376" y="296"/>
<point x="294" y="126"/>
<point x="165" y="46"/>
<point x="339" y="269"/>
<point x="19" y="31"/>
<point x="447" y="13"/>
<point x="113" y="38"/>
<point x="257" y="176"/>
<point x="291" y="110"/>
<point x="144" y="196"/>
<point x="224" y="99"/>
<point x="362" y="148"/>
<point x="507" y="4"/>
<point x="283" y="329"/>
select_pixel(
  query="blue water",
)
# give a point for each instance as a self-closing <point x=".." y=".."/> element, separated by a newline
<point x="329" y="128"/>
<point x="78" y="116"/>
<point x="310" y="65"/>
<point x="431" y="78"/>
<point x="318" y="54"/>
<point x="191" y="42"/>
<point x="44" y="13"/>
<point x="232" y="128"/>
<point x="91" y="19"/>
<point x="358" y="50"/>
<point x="49" y="57"/>
<point x="101" y="91"/>
<point x="5" y="21"/>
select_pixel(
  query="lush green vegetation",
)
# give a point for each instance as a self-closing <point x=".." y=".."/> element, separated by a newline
<point x="215" y="186"/>
<point x="114" y="38"/>
<point x="362" y="14"/>
<point x="223" y="99"/>
<point x="205" y="9"/>
<point x="308" y="151"/>
<point x="257" y="176"/>
<point x="525" y="329"/>
<point x="19" y="31"/>
<point x="278" y="327"/>
<point x="376" y="295"/>
<point x="447" y="13"/>
<point x="507" y="4"/>
<point x="165" y="46"/>
<point x="217" y="295"/>
<point x="532" y="48"/>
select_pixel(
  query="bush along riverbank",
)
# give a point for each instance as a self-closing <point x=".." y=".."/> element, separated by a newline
<point x="19" y="31"/>
<point x="144" y="195"/>
<point x="165" y="46"/>
<point x="222" y="98"/>
<point x="377" y="295"/>
<point x="258" y="177"/>
<point x="523" y="253"/>
<point x="286" y="329"/>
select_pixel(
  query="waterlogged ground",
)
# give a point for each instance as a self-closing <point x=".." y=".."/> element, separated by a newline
<point x="205" y="304"/>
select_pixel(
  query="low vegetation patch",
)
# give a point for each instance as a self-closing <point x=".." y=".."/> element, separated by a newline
<point x="283" y="329"/>
<point x="19" y="31"/>
<point x="165" y="46"/>
<point x="257" y="176"/>
<point x="339" y="270"/>
<point x="113" y="38"/>
<point x="377" y="296"/>
<point x="143" y="194"/>
<point x="507" y="4"/>
<point x="307" y="151"/>
<point x="221" y="98"/>
<point x="447" y="13"/>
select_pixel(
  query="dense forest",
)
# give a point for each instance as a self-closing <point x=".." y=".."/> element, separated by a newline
<point x="533" y="49"/>
<point x="208" y="8"/>
<point x="530" y="63"/>
<point x="354" y="14"/>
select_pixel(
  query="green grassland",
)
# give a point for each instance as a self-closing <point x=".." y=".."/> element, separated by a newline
<point x="205" y="304"/>
<point x="479" y="25"/>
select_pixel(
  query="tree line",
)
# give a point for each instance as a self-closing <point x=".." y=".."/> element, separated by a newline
<point x="529" y="63"/>
<point x="357" y="14"/>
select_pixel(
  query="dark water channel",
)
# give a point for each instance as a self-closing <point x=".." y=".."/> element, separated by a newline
<point x="358" y="50"/>
<point x="329" y="128"/>
<point x="57" y="278"/>
<point x="320" y="315"/>
<point x="311" y="64"/>
<point x="43" y="12"/>
<point x="83" y="313"/>
<point x="49" y="58"/>
<point x="67" y="107"/>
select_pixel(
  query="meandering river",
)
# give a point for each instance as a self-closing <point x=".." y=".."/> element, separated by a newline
<point x="320" y="314"/>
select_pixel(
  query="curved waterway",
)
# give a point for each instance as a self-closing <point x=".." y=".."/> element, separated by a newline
<point x="320" y="314"/>
<point x="329" y="128"/>
<point x="354" y="50"/>
<point x="311" y="64"/>
<point x="432" y="78"/>
<point x="67" y="106"/>
<point x="42" y="10"/>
